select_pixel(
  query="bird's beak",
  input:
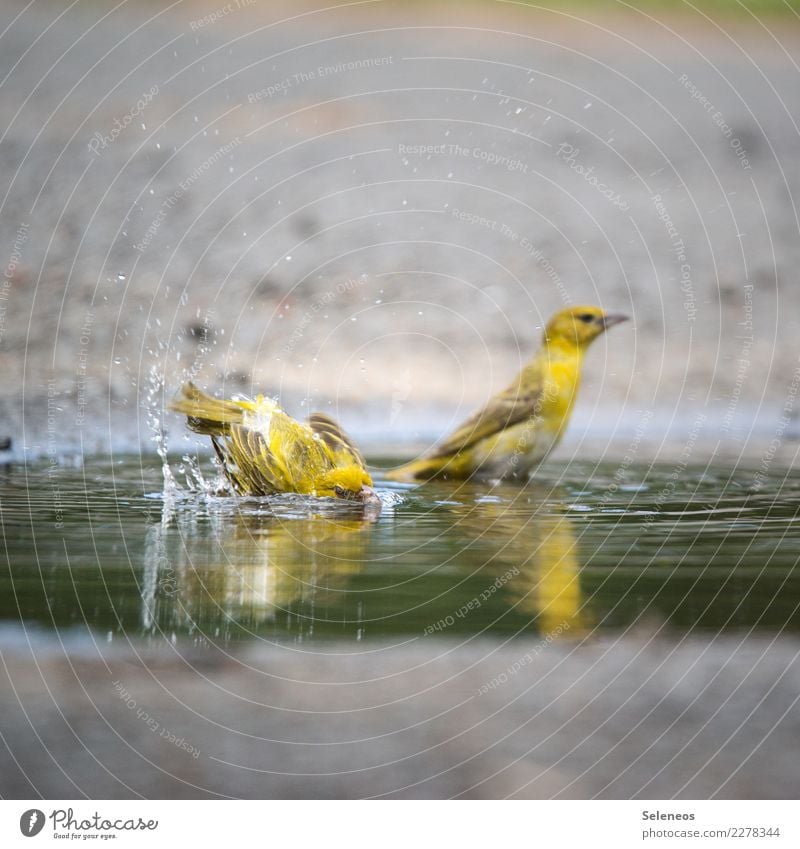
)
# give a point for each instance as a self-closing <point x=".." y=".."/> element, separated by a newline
<point x="370" y="498"/>
<point x="612" y="318"/>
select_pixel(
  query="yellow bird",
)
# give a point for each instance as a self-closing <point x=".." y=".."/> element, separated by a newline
<point x="522" y="424"/>
<point x="264" y="451"/>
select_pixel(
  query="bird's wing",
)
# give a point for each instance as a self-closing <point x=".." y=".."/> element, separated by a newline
<point x="513" y="405"/>
<point x="248" y="462"/>
<point x="340" y="444"/>
<point x="272" y="452"/>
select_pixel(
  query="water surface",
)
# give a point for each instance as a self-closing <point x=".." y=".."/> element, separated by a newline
<point x="582" y="550"/>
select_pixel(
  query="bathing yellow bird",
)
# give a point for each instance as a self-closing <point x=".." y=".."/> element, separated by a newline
<point x="522" y="424"/>
<point x="264" y="451"/>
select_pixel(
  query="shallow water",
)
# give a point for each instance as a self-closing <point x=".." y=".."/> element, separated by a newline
<point x="584" y="548"/>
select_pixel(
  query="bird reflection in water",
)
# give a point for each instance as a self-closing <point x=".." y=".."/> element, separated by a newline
<point x="534" y="557"/>
<point x="508" y="557"/>
<point x="241" y="566"/>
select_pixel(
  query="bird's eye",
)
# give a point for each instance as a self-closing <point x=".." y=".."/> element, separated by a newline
<point x="587" y="317"/>
<point x="339" y="490"/>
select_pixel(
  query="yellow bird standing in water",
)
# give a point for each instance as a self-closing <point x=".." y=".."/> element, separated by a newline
<point x="522" y="424"/>
<point x="264" y="451"/>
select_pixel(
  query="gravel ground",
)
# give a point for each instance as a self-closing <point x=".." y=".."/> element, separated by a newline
<point x="641" y="717"/>
<point x="374" y="208"/>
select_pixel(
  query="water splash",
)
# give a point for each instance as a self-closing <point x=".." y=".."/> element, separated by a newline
<point x="154" y="405"/>
<point x="197" y="483"/>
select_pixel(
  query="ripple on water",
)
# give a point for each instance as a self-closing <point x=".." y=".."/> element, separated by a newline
<point x="106" y="546"/>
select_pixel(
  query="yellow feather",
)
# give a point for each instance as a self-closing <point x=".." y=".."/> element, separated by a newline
<point x="521" y="425"/>
<point x="264" y="451"/>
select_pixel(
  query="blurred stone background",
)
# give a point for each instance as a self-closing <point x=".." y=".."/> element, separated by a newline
<point x="373" y="208"/>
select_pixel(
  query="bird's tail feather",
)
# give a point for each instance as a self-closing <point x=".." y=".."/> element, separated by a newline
<point x="206" y="415"/>
<point x="423" y="469"/>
